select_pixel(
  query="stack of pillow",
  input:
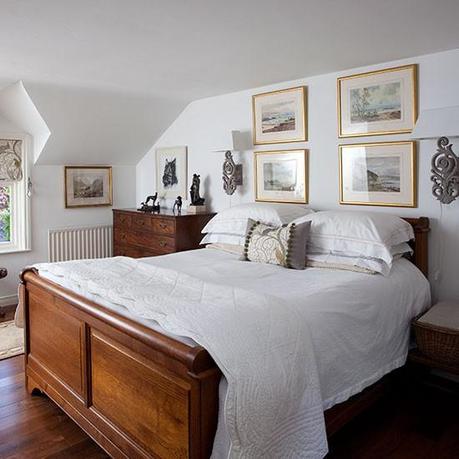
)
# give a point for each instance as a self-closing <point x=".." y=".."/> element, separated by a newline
<point x="282" y="234"/>
<point x="361" y="241"/>
<point x="228" y="228"/>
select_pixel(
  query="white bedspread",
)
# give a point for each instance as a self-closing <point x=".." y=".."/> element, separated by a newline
<point x="359" y="323"/>
<point x="273" y="404"/>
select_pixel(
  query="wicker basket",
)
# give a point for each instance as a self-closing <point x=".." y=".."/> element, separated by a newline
<point x="437" y="343"/>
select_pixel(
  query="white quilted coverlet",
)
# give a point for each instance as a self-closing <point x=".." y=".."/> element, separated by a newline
<point x="262" y="344"/>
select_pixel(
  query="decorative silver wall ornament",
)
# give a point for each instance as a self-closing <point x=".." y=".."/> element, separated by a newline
<point x="29" y="187"/>
<point x="445" y="172"/>
<point x="232" y="174"/>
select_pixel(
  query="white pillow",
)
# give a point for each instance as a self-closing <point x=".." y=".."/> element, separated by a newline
<point x="234" y="219"/>
<point x="355" y="262"/>
<point x="335" y="262"/>
<point x="230" y="248"/>
<point x="222" y="238"/>
<point x="368" y="234"/>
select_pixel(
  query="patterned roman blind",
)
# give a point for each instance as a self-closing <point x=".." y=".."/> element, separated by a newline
<point x="10" y="160"/>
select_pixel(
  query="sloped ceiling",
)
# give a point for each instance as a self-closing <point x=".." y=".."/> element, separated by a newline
<point x="108" y="76"/>
<point x="18" y="108"/>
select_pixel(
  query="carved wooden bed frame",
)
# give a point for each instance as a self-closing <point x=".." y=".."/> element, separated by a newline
<point x="135" y="391"/>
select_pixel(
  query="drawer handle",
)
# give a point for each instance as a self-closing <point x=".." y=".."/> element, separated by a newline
<point x="162" y="244"/>
<point x="163" y="225"/>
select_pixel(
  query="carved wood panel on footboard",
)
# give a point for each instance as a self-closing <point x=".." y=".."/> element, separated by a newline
<point x="137" y="392"/>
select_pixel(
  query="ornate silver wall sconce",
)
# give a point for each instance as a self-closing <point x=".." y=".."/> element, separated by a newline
<point x="440" y="124"/>
<point x="232" y="172"/>
<point x="445" y="172"/>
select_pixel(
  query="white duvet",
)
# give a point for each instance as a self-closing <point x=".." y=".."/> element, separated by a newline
<point x="290" y="343"/>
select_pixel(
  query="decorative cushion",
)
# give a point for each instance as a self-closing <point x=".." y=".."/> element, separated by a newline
<point x="283" y="245"/>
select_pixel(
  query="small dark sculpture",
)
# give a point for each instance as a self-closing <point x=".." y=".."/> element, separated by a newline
<point x="178" y="204"/>
<point x="196" y="199"/>
<point x="145" y="207"/>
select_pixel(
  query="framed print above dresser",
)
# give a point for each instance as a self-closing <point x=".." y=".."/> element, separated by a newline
<point x="172" y="171"/>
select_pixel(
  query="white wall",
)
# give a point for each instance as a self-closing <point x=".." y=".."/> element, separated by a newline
<point x="202" y="125"/>
<point x="48" y="211"/>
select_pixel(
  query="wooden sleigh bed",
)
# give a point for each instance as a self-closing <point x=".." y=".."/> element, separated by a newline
<point x="135" y="391"/>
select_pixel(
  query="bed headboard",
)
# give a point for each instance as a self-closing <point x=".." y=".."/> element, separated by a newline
<point x="421" y="227"/>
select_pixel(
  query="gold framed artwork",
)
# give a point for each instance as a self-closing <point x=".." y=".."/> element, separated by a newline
<point x="280" y="116"/>
<point x="88" y="186"/>
<point x="281" y="176"/>
<point x="380" y="102"/>
<point x="378" y="174"/>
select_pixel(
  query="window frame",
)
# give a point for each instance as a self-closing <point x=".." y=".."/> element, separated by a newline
<point x="19" y="202"/>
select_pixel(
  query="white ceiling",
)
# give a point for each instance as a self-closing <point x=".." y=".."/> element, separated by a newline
<point x="109" y="76"/>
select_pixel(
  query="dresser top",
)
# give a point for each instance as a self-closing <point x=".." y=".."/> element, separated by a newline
<point x="163" y="213"/>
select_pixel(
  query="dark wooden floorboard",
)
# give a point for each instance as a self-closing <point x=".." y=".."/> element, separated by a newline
<point x="33" y="427"/>
<point x="418" y="421"/>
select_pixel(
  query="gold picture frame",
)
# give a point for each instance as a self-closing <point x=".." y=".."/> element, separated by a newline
<point x="85" y="190"/>
<point x="403" y="79"/>
<point x="294" y="101"/>
<point x="300" y="169"/>
<point x="386" y="187"/>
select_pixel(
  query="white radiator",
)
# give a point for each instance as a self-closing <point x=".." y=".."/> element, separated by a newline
<point x="79" y="243"/>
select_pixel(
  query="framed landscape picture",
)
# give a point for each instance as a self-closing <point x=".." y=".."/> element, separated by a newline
<point x="378" y="174"/>
<point x="381" y="102"/>
<point x="171" y="172"/>
<point x="280" y="116"/>
<point x="88" y="186"/>
<point x="281" y="176"/>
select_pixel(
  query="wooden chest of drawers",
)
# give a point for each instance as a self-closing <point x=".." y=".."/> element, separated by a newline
<point x="138" y="234"/>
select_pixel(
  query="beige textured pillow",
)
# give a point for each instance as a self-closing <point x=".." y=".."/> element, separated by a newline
<point x="283" y="245"/>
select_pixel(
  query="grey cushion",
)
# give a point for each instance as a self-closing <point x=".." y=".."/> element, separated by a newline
<point x="283" y="245"/>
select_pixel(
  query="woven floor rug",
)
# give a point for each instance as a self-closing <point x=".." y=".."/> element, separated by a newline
<point x="11" y="340"/>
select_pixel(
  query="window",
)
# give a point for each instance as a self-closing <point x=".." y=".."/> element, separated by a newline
<point x="5" y="214"/>
<point x="14" y="202"/>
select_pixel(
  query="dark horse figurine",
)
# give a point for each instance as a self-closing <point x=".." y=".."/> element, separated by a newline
<point x="196" y="199"/>
<point x="145" y="207"/>
<point x="178" y="203"/>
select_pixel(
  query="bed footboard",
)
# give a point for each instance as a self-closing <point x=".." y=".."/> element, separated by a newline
<point x="136" y="392"/>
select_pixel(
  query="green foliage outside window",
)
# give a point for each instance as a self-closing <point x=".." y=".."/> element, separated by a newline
<point x="5" y="214"/>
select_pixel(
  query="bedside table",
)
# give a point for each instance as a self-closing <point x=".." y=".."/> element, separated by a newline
<point x="437" y="338"/>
